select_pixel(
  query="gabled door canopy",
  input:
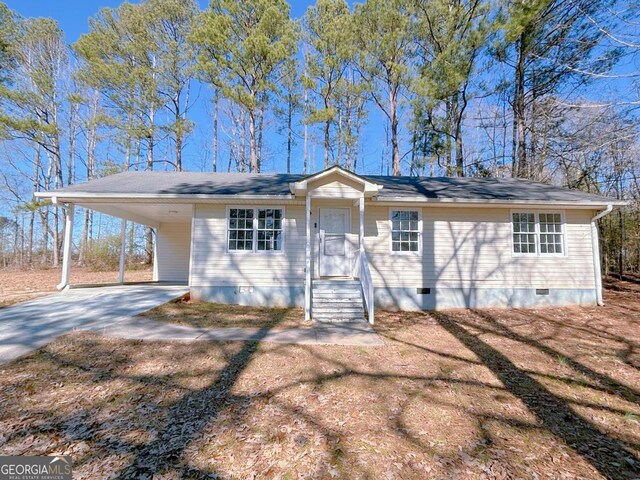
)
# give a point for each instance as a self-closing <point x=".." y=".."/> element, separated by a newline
<point x="301" y="187"/>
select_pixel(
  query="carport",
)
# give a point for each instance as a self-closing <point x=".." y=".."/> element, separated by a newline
<point x="170" y="218"/>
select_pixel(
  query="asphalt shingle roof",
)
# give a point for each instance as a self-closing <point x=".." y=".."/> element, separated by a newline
<point x="436" y="188"/>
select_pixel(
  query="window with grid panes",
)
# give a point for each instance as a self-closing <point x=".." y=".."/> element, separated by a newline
<point x="551" y="240"/>
<point x="269" y="229"/>
<point x="240" y="231"/>
<point x="405" y="232"/>
<point x="524" y="232"/>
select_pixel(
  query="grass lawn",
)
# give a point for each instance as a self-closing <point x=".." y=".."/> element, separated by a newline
<point x="507" y="394"/>
<point x="216" y="315"/>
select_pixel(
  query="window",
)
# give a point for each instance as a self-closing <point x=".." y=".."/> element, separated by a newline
<point x="255" y="229"/>
<point x="405" y="231"/>
<point x="524" y="232"/>
<point x="550" y="233"/>
<point x="537" y="233"/>
<point x="241" y="229"/>
<point x="269" y="229"/>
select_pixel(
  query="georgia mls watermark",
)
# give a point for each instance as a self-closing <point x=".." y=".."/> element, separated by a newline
<point x="35" y="468"/>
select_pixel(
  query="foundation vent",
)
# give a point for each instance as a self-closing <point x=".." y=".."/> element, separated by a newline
<point x="542" y="291"/>
<point x="423" y="291"/>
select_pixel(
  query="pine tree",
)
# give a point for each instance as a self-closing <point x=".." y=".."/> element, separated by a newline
<point x="118" y="58"/>
<point x="170" y="23"/>
<point x="450" y="35"/>
<point x="385" y="37"/>
<point x="242" y="47"/>
<point x="548" y="44"/>
<point x="33" y="103"/>
<point x="328" y="32"/>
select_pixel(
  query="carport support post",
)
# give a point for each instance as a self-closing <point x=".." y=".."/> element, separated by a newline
<point x="123" y="244"/>
<point x="307" y="281"/>
<point x="66" y="253"/>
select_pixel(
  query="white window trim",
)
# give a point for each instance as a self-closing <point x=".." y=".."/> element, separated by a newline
<point x="390" y="223"/>
<point x="536" y="214"/>
<point x="255" y="230"/>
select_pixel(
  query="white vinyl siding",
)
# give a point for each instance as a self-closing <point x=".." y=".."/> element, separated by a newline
<point x="212" y="264"/>
<point x="459" y="248"/>
<point x="472" y="247"/>
<point x="172" y="252"/>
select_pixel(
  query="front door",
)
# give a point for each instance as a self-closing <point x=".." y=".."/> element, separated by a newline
<point x="334" y="256"/>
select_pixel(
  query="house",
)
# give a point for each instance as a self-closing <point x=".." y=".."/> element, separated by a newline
<point x="335" y="241"/>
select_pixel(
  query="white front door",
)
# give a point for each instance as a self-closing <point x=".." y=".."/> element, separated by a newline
<point x="334" y="255"/>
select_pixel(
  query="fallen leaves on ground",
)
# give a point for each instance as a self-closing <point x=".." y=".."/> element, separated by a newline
<point x="487" y="394"/>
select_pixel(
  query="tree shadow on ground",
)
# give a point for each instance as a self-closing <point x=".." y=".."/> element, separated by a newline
<point x="611" y="457"/>
<point x="185" y="419"/>
<point x="189" y="419"/>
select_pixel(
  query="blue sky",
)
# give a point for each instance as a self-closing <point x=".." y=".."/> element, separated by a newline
<point x="73" y="17"/>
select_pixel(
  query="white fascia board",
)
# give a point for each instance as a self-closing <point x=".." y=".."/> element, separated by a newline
<point x="300" y="188"/>
<point x="189" y="198"/>
<point x="186" y="198"/>
<point x="479" y="203"/>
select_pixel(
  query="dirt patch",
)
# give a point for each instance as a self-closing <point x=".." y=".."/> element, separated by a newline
<point x="215" y="315"/>
<point x="20" y="285"/>
<point x="506" y="394"/>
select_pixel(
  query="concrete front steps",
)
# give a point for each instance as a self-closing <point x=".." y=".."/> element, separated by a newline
<point x="337" y="301"/>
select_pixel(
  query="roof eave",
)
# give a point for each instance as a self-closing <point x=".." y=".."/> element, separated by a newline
<point x="70" y="196"/>
<point x="102" y="197"/>
<point x="501" y="202"/>
<point x="300" y="188"/>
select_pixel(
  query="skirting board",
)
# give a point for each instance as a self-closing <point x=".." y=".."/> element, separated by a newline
<point x="405" y="298"/>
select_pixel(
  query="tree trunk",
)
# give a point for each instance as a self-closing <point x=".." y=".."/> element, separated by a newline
<point x="459" y="154"/>
<point x="519" y="109"/>
<point x="32" y="218"/>
<point x="339" y="134"/>
<point x="82" y="256"/>
<point x="327" y="126"/>
<point x="456" y="133"/>
<point x="179" y="150"/>
<point x="305" y="155"/>
<point x="215" y="131"/>
<point x="253" y="147"/>
<point x="259" y="141"/>
<point x="73" y="128"/>
<point x="393" y="114"/>
<point x="36" y="187"/>
<point x="44" y="219"/>
<point x="180" y="120"/>
<point x="91" y="156"/>
<point x="132" y="240"/>
<point x="621" y="245"/>
<point x="289" y="131"/>
<point x="127" y="153"/>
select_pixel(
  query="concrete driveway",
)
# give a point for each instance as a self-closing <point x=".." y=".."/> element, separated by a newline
<point x="111" y="311"/>
<point x="29" y="325"/>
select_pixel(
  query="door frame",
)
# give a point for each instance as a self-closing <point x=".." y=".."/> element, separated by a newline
<point x="348" y="251"/>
